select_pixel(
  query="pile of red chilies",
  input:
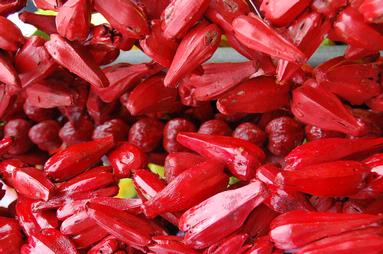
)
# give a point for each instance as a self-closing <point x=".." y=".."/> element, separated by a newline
<point x="304" y="143"/>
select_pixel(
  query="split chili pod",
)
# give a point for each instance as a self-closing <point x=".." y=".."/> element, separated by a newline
<point x="240" y="156"/>
<point x="212" y="219"/>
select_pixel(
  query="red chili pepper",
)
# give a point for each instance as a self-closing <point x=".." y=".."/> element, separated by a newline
<point x="72" y="135"/>
<point x="11" y="38"/>
<point x="252" y="31"/>
<point x="114" y="127"/>
<point x="283" y="201"/>
<point x="252" y="97"/>
<point x="76" y="61"/>
<point x="372" y="11"/>
<point x="283" y="13"/>
<point x="258" y="222"/>
<point x="5" y="144"/>
<point x="131" y="22"/>
<point x="229" y="245"/>
<point x="11" y="238"/>
<point x="6" y="101"/>
<point x="195" y="48"/>
<point x="355" y="53"/>
<point x="126" y="158"/>
<point x="52" y="5"/>
<point x="49" y="241"/>
<point x="315" y="133"/>
<point x="77" y="158"/>
<point x="108" y="245"/>
<point x="8" y="75"/>
<point x="89" y="237"/>
<point x="44" y="23"/>
<point x="298" y="228"/>
<point x="250" y="132"/>
<point x="124" y="226"/>
<point x="159" y="98"/>
<point x="171" y="130"/>
<point x="146" y="134"/>
<point x="262" y="246"/>
<point x="73" y="19"/>
<point x="8" y="7"/>
<point x="170" y="244"/>
<point x="213" y="219"/>
<point x="350" y="26"/>
<point x="177" y="195"/>
<point x="46" y="135"/>
<point x="99" y="110"/>
<point x="122" y="77"/>
<point x="331" y="149"/>
<point x="240" y="156"/>
<point x="173" y="19"/>
<point x="328" y="7"/>
<point x="215" y="127"/>
<point x="316" y="106"/>
<point x="77" y="223"/>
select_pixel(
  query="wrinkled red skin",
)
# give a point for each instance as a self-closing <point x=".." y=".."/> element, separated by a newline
<point x="115" y="127"/>
<point x="330" y="149"/>
<point x="334" y="179"/>
<point x="37" y="114"/>
<point x="315" y="133"/>
<point x="314" y="226"/>
<point x="11" y="238"/>
<point x="8" y="7"/>
<point x="177" y="196"/>
<point x="126" y="158"/>
<point x="49" y="241"/>
<point x="205" y="226"/>
<point x="283" y="13"/>
<point x="249" y="29"/>
<point x="73" y="19"/>
<point x="46" y="135"/>
<point x="174" y="24"/>
<point x="240" y="156"/>
<point x="75" y="60"/>
<point x="44" y="23"/>
<point x="77" y="158"/>
<point x="146" y="134"/>
<point x="250" y="132"/>
<point x="126" y="227"/>
<point x="284" y="134"/>
<point x="215" y="127"/>
<point x="11" y="38"/>
<point x="350" y="26"/>
<point x="99" y="110"/>
<point x="258" y="222"/>
<point x="195" y="48"/>
<point x="157" y="46"/>
<point x="158" y="98"/>
<point x="124" y="76"/>
<point x="31" y="221"/>
<point x="228" y="245"/>
<point x="131" y="23"/>
<point x="71" y="135"/>
<point x="18" y="129"/>
<point x="171" y="130"/>
<point x="251" y="97"/>
<point x="176" y="163"/>
<point x="316" y="106"/>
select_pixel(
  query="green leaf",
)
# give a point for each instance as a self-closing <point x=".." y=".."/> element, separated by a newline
<point x="233" y="180"/>
<point x="157" y="169"/>
<point x="46" y="12"/>
<point x="41" y="34"/>
<point x="127" y="189"/>
<point x="327" y="42"/>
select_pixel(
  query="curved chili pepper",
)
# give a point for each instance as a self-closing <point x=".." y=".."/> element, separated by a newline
<point x="131" y="22"/>
<point x="8" y="7"/>
<point x="33" y="62"/>
<point x="108" y="245"/>
<point x="330" y="149"/>
<point x="45" y="23"/>
<point x="251" y="31"/>
<point x="11" y="238"/>
<point x="240" y="156"/>
<point x="298" y="228"/>
<point x="213" y="219"/>
<point x="283" y="13"/>
<point x="11" y="38"/>
<point x="170" y="244"/>
<point x="49" y="241"/>
<point x="177" y="196"/>
<point x="350" y="26"/>
<point x="258" y="222"/>
<point x="126" y="158"/>
<point x="77" y="158"/>
<point x="5" y="144"/>
<point x="217" y="78"/>
<point x="88" y="181"/>
<point x="89" y="237"/>
<point x="316" y="106"/>
<point x="358" y="241"/>
<point x="355" y="53"/>
<point x="195" y="48"/>
<point x="124" y="226"/>
<point x="73" y="19"/>
<point x="75" y="61"/>
<point x="307" y="33"/>
<point x="176" y="163"/>
<point x="8" y="75"/>
<point x="77" y="223"/>
<point x="124" y="76"/>
<point x="251" y="97"/>
<point x="174" y="23"/>
<point x="228" y="245"/>
<point x="339" y="178"/>
<point x="372" y="11"/>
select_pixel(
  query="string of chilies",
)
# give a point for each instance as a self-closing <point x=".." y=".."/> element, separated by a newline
<point x="268" y="156"/>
